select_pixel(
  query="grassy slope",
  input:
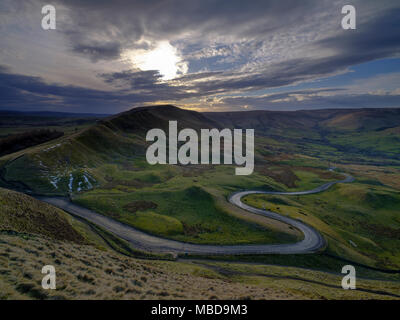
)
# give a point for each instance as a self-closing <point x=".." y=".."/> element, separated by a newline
<point x="184" y="194"/>
<point x="282" y="162"/>
<point x="84" y="272"/>
<point x="50" y="168"/>
<point x="366" y="136"/>
<point x="358" y="136"/>
<point x="24" y="214"/>
<point x="68" y="159"/>
<point x="87" y="269"/>
<point x="191" y="213"/>
<point x="363" y="226"/>
<point x="219" y="181"/>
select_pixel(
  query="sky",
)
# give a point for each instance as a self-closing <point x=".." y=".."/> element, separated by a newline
<point x="209" y="55"/>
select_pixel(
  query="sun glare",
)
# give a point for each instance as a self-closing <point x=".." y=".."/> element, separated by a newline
<point x="163" y="58"/>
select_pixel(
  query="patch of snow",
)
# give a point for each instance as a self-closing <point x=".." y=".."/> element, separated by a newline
<point x="90" y="186"/>
<point x="352" y="243"/>
<point x="71" y="180"/>
<point x="52" y="147"/>
<point x="54" y="181"/>
<point x="41" y="164"/>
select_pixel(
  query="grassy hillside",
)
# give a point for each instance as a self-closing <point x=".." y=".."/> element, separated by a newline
<point x="358" y="135"/>
<point x="23" y="214"/>
<point x="85" y="272"/>
<point x="33" y="234"/>
<point x="15" y="142"/>
<point x="65" y="165"/>
<point x="189" y="214"/>
<point x="363" y="226"/>
<point x="106" y="159"/>
<point x="103" y="167"/>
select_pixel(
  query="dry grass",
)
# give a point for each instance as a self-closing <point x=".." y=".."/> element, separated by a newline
<point x="84" y="272"/>
<point x="22" y="213"/>
<point x="282" y="174"/>
<point x="308" y="283"/>
<point x="389" y="176"/>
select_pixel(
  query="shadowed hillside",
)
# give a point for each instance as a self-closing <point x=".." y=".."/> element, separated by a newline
<point x="16" y="142"/>
<point x="356" y="135"/>
<point x="21" y="213"/>
<point x="33" y="234"/>
<point x="328" y="119"/>
<point x="61" y="166"/>
<point x="102" y="167"/>
<point x="361" y="136"/>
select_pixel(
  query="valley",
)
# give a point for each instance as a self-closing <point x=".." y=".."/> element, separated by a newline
<point x="102" y="167"/>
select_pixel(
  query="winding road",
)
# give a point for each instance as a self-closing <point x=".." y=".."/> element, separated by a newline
<point x="312" y="242"/>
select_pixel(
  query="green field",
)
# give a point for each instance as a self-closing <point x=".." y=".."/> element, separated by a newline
<point x="363" y="226"/>
<point x="186" y="200"/>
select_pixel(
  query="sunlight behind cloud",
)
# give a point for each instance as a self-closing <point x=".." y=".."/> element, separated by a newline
<point x="164" y="58"/>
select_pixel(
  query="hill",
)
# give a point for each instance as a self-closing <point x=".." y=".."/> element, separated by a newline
<point x="324" y="119"/>
<point x="61" y="166"/>
<point x="365" y="136"/>
<point x="23" y="214"/>
<point x="33" y="234"/>
<point x="102" y="167"/>
<point x="20" y="141"/>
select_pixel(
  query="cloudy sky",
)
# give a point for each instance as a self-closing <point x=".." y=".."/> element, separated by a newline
<point x="212" y="55"/>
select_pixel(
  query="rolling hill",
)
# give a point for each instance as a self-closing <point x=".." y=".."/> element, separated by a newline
<point x="366" y="136"/>
<point x="52" y="166"/>
<point x="362" y="136"/>
<point x="88" y="267"/>
<point x="102" y="167"/>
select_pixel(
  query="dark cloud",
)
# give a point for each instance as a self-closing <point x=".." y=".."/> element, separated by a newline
<point x="121" y="24"/>
<point x="314" y="99"/>
<point x="145" y="84"/>
<point x="198" y="76"/>
<point x="27" y="92"/>
<point x="99" y="51"/>
<point x="347" y="48"/>
<point x="232" y="47"/>
<point x="134" y="79"/>
<point x="162" y="19"/>
<point x="376" y="38"/>
<point x="21" y="92"/>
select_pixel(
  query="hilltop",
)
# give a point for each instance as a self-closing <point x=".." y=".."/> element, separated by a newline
<point x="57" y="166"/>
<point x="323" y="119"/>
<point x="364" y="136"/>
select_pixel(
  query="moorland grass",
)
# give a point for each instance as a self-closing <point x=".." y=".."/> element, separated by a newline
<point x="362" y="226"/>
<point x="188" y="215"/>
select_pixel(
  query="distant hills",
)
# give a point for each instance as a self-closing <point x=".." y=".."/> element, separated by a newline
<point x="325" y="119"/>
<point x="27" y="120"/>
<point x="52" y="114"/>
<point x="345" y="135"/>
<point x="350" y="135"/>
